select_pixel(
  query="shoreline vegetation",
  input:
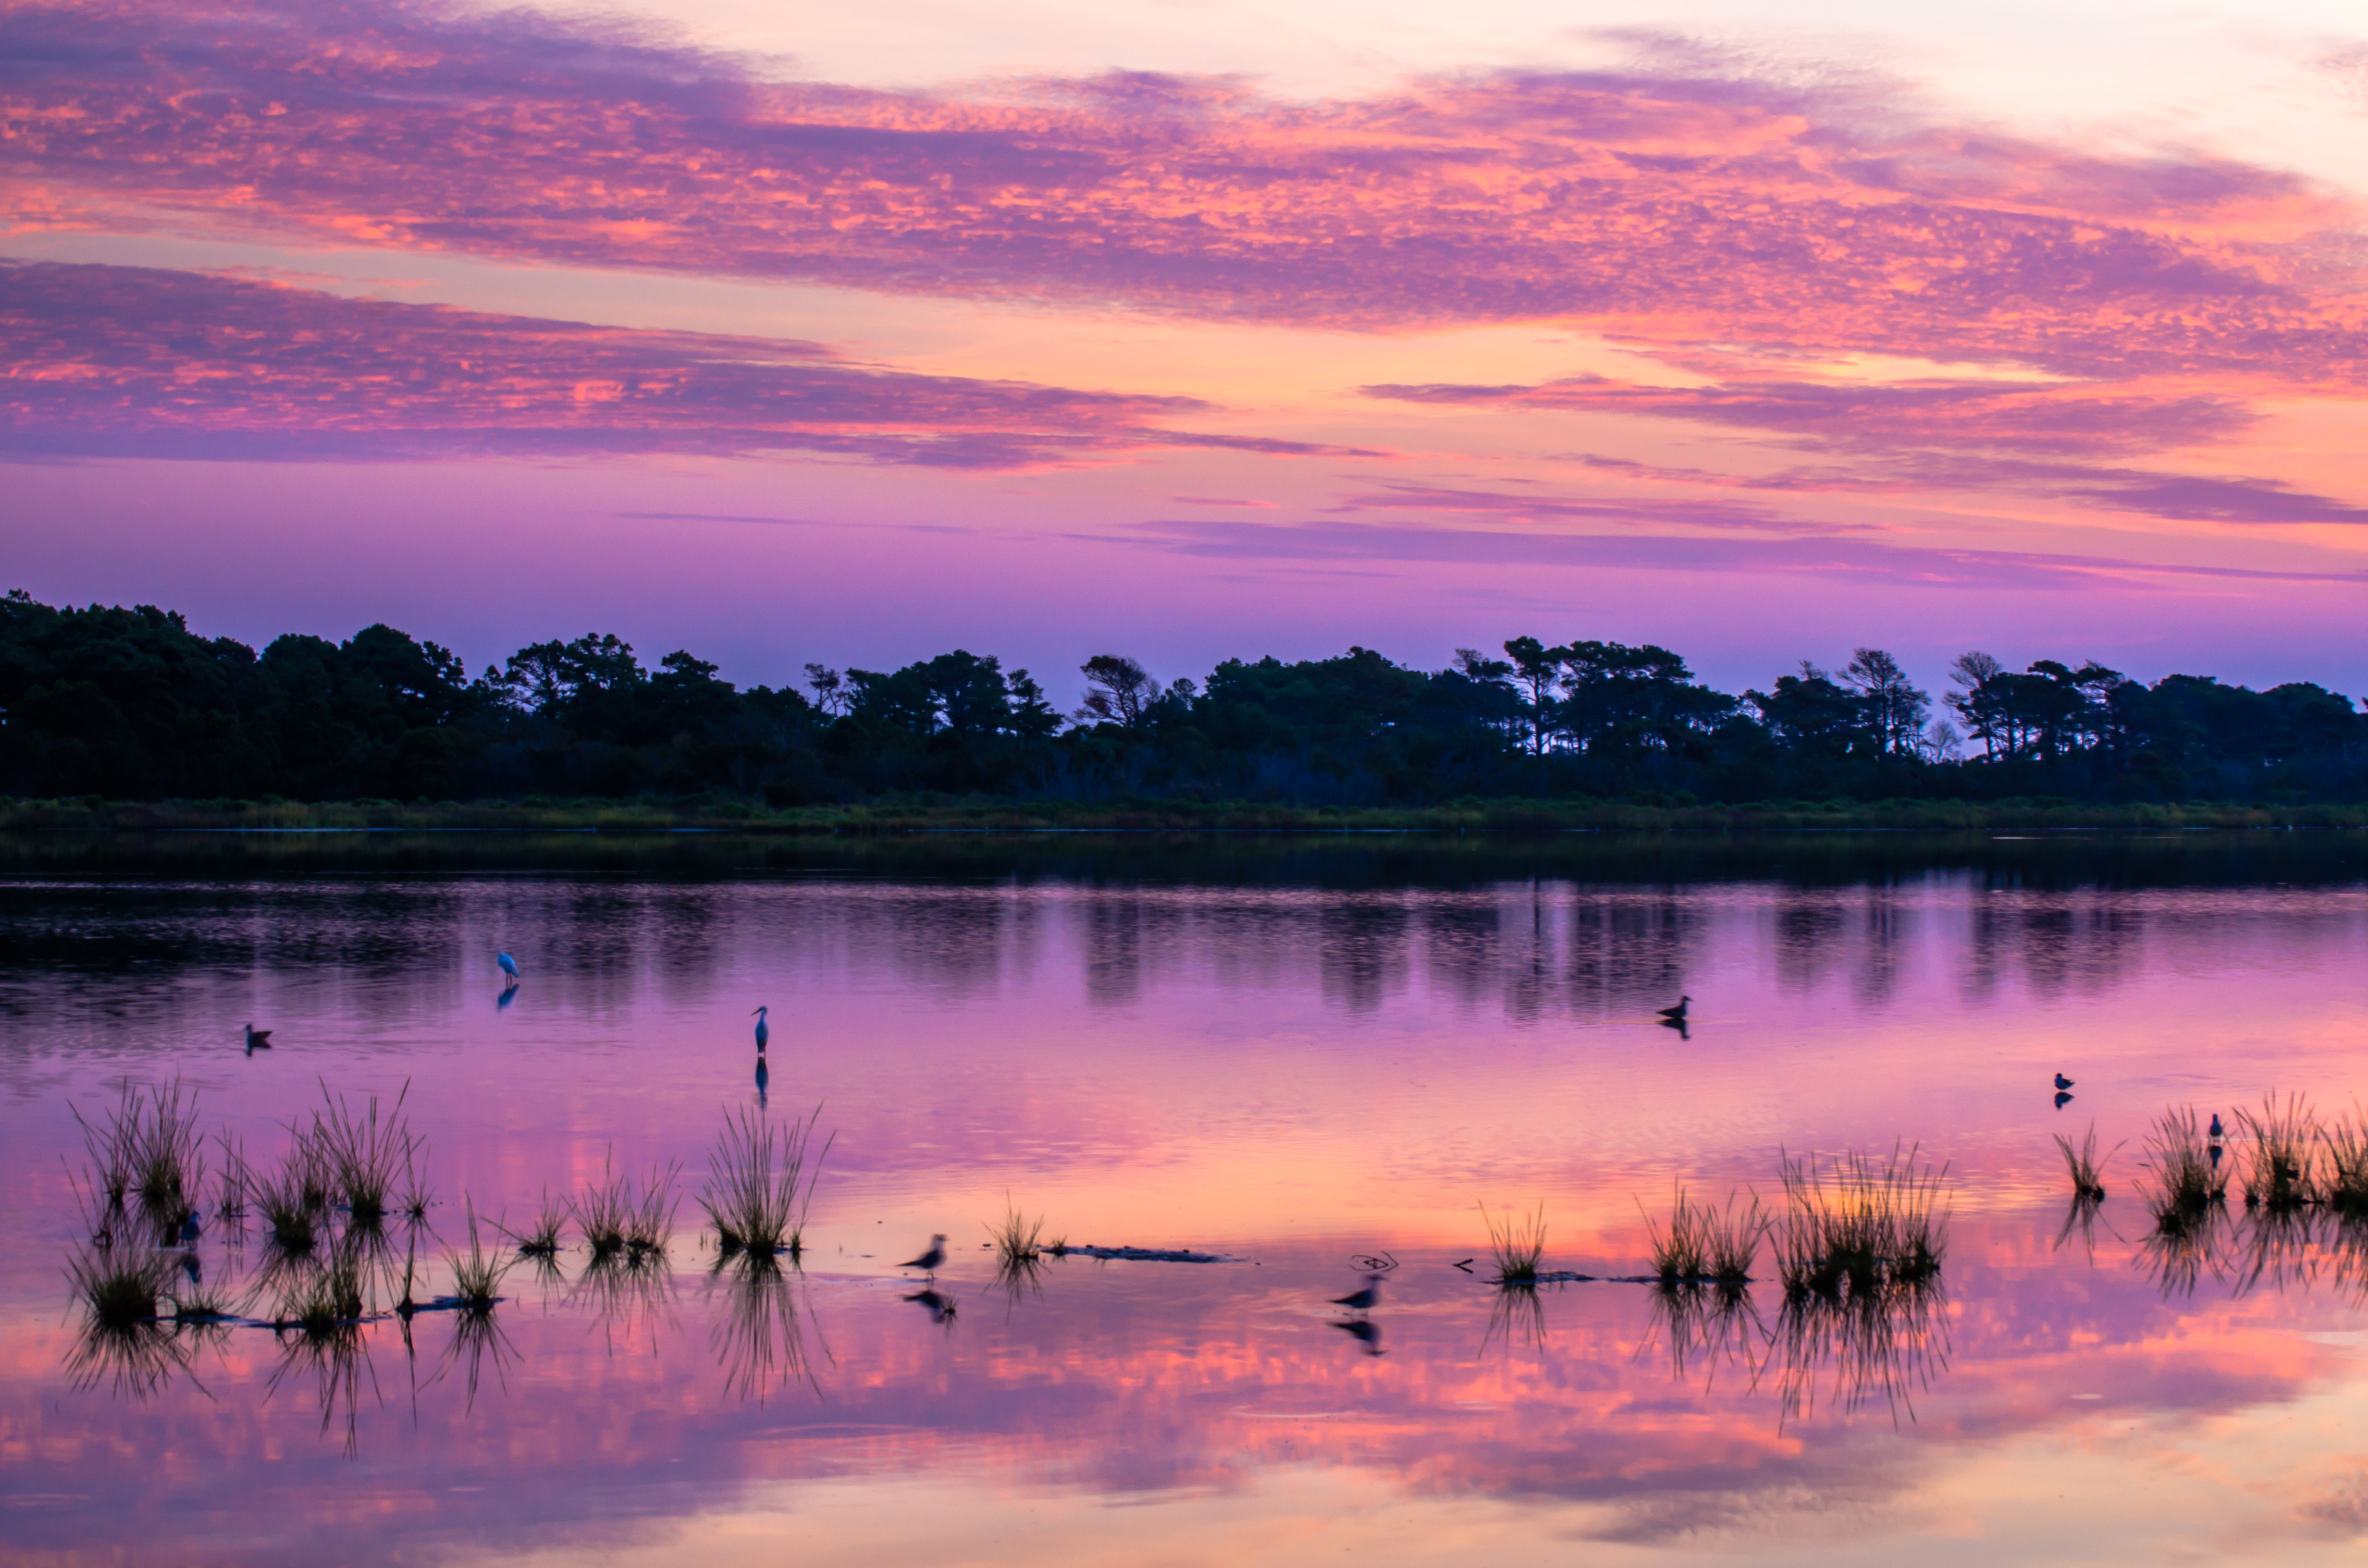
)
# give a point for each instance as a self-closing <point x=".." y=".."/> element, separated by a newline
<point x="924" y="814"/>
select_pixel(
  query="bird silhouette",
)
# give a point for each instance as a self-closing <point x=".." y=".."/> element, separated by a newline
<point x="1364" y="1330"/>
<point x="2063" y="1098"/>
<point x="2062" y="1082"/>
<point x="1677" y="1014"/>
<point x="1362" y="1301"/>
<point x="929" y="1261"/>
<point x="510" y="994"/>
<point x="1679" y="1025"/>
<point x="764" y="1079"/>
<point x="2215" y="1126"/>
<point x="257" y="1040"/>
<point x="763" y="1031"/>
<point x="509" y="966"/>
<point x="940" y="1305"/>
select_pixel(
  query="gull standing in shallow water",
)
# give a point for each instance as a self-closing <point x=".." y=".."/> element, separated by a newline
<point x="2062" y="1082"/>
<point x="763" y="1031"/>
<point x="1677" y="1014"/>
<point x="927" y="1262"/>
<point x="257" y="1040"/>
<point x="509" y="966"/>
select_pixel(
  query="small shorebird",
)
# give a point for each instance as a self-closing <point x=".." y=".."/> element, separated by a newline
<point x="763" y="1031"/>
<point x="1362" y="1301"/>
<point x="2216" y="1126"/>
<point x="257" y="1040"/>
<point x="2062" y="1082"/>
<point x="1677" y="1014"/>
<point x="509" y="966"/>
<point x="927" y="1262"/>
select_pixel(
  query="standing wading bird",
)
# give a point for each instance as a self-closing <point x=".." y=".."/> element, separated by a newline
<point x="927" y="1262"/>
<point x="2216" y="1126"/>
<point x="1362" y="1301"/>
<point x="509" y="966"/>
<point x="257" y="1040"/>
<point x="2062" y="1082"/>
<point x="763" y="1031"/>
<point x="1677" y="1014"/>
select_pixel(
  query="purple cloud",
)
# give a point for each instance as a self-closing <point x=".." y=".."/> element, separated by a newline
<point x="110" y="360"/>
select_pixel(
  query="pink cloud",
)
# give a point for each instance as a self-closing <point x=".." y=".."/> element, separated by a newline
<point x="1678" y="204"/>
<point x="108" y="361"/>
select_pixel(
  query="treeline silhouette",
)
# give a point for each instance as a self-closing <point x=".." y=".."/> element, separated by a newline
<point x="130" y="704"/>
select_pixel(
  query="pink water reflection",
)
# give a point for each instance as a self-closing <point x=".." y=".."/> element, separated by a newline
<point x="1288" y="1075"/>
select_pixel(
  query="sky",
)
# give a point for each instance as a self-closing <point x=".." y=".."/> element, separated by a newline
<point x="1198" y="330"/>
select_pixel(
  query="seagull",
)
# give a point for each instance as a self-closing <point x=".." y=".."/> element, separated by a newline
<point x="2215" y="1126"/>
<point x="927" y="1262"/>
<point x="257" y="1040"/>
<point x="1362" y="1301"/>
<point x="509" y="966"/>
<point x="763" y="1031"/>
<point x="1677" y="1014"/>
<point x="2062" y="1082"/>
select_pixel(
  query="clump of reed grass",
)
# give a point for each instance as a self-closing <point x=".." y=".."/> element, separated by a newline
<point x="2086" y="1169"/>
<point x="623" y="1218"/>
<point x="115" y="1290"/>
<point x="112" y="1145"/>
<point x="1703" y="1245"/>
<point x="196" y="1301"/>
<point x="169" y="1154"/>
<point x="2280" y="1151"/>
<point x="1854" y="1228"/>
<point x="1017" y="1240"/>
<point x="323" y="1300"/>
<point x="1519" y="1244"/>
<point x="2187" y="1187"/>
<point x="476" y="1273"/>
<point x="542" y="1237"/>
<point x="361" y="1155"/>
<point x="760" y="1185"/>
<point x="2344" y="1187"/>
<point x="292" y="1202"/>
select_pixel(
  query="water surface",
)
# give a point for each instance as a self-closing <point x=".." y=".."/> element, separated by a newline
<point x="1291" y="1053"/>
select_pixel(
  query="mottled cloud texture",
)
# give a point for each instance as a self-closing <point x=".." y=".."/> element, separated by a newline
<point x="1683" y="209"/>
<point x="137" y="361"/>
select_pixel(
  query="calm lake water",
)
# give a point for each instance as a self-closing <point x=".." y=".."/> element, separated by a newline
<point x="1294" y="1054"/>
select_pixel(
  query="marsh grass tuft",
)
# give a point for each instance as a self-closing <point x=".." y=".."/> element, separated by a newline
<point x="320" y="1301"/>
<point x="362" y="1154"/>
<point x="292" y="1202"/>
<point x="760" y="1183"/>
<point x="1854" y="1228"/>
<point x="477" y="1272"/>
<point x="117" y="1290"/>
<point x="148" y="1149"/>
<point x="2187" y="1189"/>
<point x="2280" y="1152"/>
<point x="1018" y="1239"/>
<point x="2344" y="1187"/>
<point x="620" y="1218"/>
<point x="2086" y="1169"/>
<point x="1703" y="1245"/>
<point x="1518" y="1243"/>
<point x="542" y="1237"/>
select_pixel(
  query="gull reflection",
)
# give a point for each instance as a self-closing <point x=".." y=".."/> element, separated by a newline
<point x="1364" y="1330"/>
<point x="938" y="1304"/>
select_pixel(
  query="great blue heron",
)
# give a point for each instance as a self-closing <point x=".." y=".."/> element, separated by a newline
<point x="763" y="1031"/>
